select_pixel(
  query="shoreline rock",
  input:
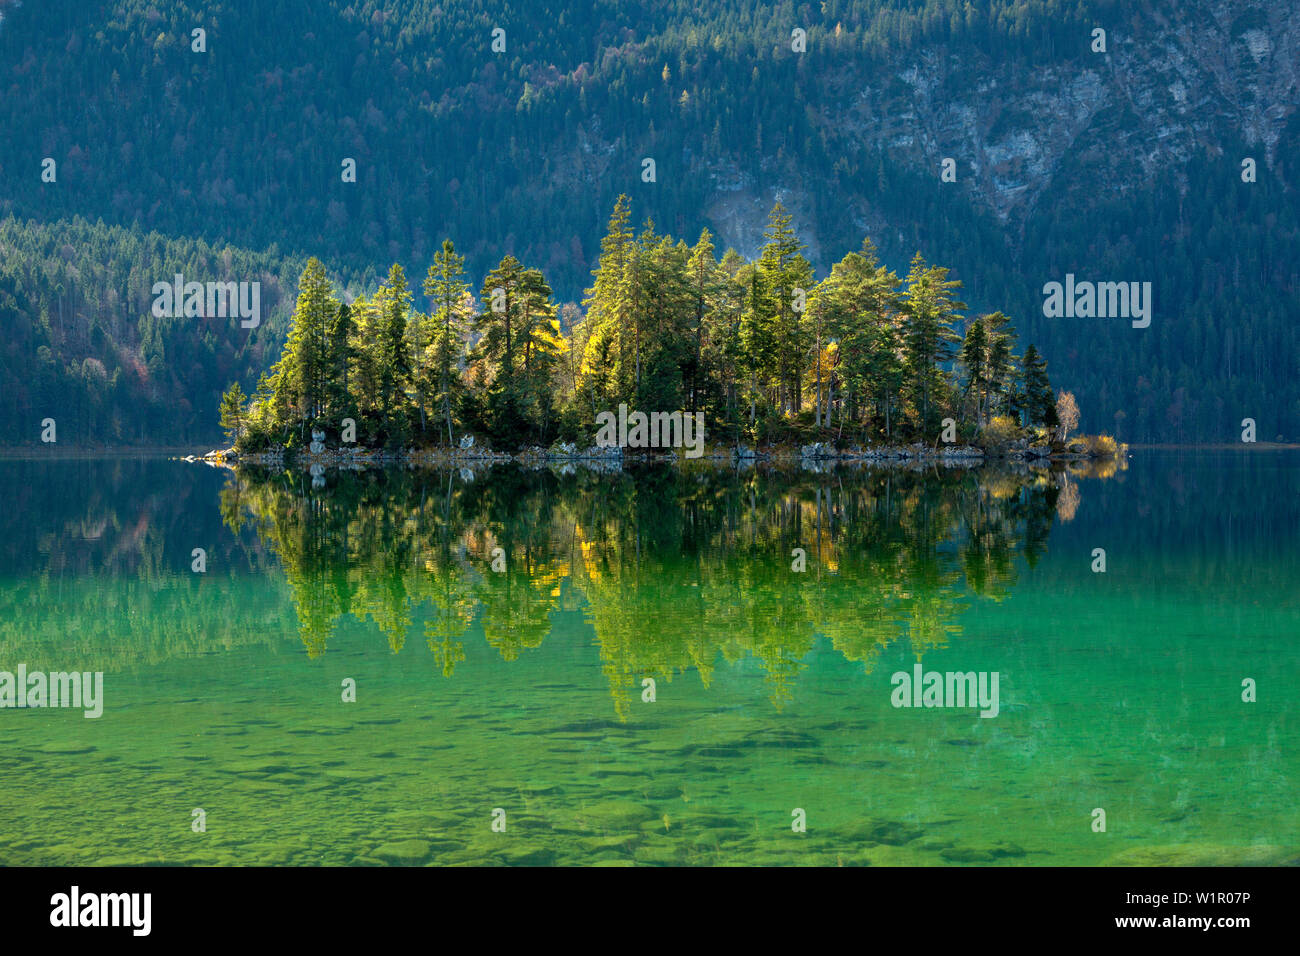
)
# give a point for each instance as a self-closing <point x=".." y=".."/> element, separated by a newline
<point x="567" y="457"/>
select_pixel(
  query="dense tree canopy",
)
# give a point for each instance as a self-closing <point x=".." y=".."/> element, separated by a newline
<point x="764" y="351"/>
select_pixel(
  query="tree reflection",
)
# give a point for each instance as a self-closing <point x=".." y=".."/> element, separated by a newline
<point x="673" y="569"/>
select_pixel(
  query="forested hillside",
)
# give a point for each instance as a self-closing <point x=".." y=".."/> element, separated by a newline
<point x="1123" y="165"/>
<point x="83" y="347"/>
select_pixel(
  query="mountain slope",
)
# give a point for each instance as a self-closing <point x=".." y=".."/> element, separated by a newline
<point x="1123" y="165"/>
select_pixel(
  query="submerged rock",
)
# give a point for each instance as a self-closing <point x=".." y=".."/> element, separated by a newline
<point x="888" y="832"/>
<point x="1206" y="854"/>
<point x="981" y="854"/>
<point x="403" y="852"/>
<point x="613" y="815"/>
<point x="523" y="856"/>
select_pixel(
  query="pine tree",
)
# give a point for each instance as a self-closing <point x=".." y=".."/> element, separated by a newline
<point x="974" y="357"/>
<point x="393" y="305"/>
<point x="862" y="304"/>
<point x="1000" y="364"/>
<point x="785" y="274"/>
<point x="302" y="371"/>
<point x="1038" y="401"/>
<point x="540" y="342"/>
<point x="518" y="341"/>
<point x="722" y="340"/>
<point x="661" y="298"/>
<point x="703" y="280"/>
<point x="605" y="373"/>
<point x="757" y="340"/>
<point x="498" y="321"/>
<point x="366" y="350"/>
<point x="928" y="336"/>
<point x="338" y="398"/>
<point x="447" y="291"/>
<point x="234" y="415"/>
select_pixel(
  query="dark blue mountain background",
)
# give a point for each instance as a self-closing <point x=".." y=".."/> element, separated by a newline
<point x="1116" y="166"/>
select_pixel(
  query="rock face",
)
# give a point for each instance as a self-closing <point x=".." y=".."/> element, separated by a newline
<point x="1178" y="84"/>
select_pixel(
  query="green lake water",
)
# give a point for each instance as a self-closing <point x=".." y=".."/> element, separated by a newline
<point x="499" y="627"/>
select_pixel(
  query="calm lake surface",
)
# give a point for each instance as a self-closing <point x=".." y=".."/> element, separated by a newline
<point x="520" y="690"/>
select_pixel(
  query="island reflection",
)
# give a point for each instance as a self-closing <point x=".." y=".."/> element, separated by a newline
<point x="888" y="555"/>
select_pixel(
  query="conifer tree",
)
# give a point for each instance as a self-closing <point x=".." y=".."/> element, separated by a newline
<point x="448" y="291"/>
<point x="393" y="306"/>
<point x="1038" y="401"/>
<point x="1000" y="364"/>
<point x="974" y="357"/>
<point x="757" y="340"/>
<point x="661" y="300"/>
<point x="722" y="341"/>
<point x="518" y="341"/>
<point x="785" y="274"/>
<point x="605" y="373"/>
<point x="234" y="415"/>
<point x="366" y="352"/>
<point x="338" y="398"/>
<point x="928" y="336"/>
<point x="303" y="367"/>
<point x="862" y="303"/>
<point x="702" y="280"/>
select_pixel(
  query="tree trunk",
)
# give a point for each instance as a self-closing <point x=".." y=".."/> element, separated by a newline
<point x="817" y="413"/>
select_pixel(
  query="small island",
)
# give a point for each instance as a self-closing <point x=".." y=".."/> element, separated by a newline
<point x="771" y="363"/>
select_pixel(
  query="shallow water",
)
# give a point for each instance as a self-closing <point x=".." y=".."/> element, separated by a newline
<point x="519" y="691"/>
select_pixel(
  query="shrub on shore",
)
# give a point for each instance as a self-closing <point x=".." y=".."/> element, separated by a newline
<point x="1104" y="446"/>
<point x="1000" y="432"/>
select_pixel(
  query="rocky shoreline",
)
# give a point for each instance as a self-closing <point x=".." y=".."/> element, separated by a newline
<point x="816" y="456"/>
